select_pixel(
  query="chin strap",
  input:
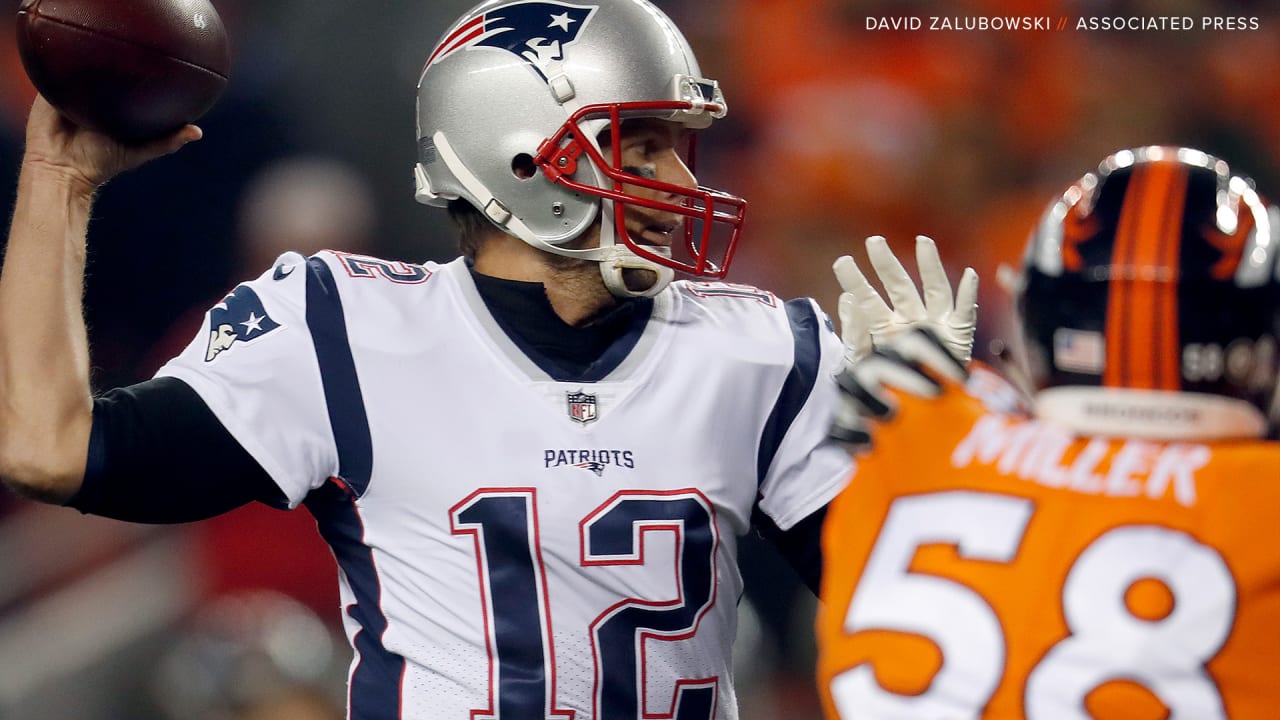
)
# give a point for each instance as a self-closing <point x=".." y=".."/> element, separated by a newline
<point x="614" y="279"/>
<point x="620" y="258"/>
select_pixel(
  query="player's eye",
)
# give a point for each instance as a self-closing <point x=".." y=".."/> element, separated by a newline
<point x="646" y="171"/>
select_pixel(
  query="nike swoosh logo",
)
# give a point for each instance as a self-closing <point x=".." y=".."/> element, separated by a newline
<point x="280" y="273"/>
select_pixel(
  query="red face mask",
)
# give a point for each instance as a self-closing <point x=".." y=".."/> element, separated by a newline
<point x="712" y="219"/>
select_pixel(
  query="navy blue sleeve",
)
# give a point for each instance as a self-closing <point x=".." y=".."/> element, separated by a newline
<point x="157" y="454"/>
<point x="801" y="545"/>
<point x="806" y="331"/>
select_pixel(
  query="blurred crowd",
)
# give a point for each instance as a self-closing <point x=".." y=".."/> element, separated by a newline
<point x="835" y="132"/>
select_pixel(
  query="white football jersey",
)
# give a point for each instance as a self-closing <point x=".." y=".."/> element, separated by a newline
<point x="511" y="545"/>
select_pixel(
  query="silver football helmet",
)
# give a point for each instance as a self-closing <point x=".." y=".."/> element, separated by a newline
<point x="534" y="84"/>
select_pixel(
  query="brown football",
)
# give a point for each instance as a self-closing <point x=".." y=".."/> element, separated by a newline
<point x="133" y="69"/>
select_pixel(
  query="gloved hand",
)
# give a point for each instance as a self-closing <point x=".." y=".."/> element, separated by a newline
<point x="914" y="362"/>
<point x="868" y="322"/>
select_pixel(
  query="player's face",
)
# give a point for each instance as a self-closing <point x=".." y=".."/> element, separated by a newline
<point x="653" y="149"/>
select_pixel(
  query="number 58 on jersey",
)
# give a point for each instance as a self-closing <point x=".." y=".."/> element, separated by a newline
<point x="1006" y="571"/>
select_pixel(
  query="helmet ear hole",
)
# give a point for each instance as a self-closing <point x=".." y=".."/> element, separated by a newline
<point x="522" y="166"/>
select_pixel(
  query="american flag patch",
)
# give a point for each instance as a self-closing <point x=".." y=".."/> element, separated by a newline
<point x="1079" y="351"/>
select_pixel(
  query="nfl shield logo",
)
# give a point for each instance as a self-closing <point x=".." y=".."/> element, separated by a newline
<point x="582" y="407"/>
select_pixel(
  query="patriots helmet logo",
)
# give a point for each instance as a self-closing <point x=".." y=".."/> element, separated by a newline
<point x="537" y="32"/>
<point x="592" y="465"/>
<point x="240" y="317"/>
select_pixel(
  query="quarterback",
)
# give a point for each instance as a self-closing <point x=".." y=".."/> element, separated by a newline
<point x="1106" y="550"/>
<point x="532" y="463"/>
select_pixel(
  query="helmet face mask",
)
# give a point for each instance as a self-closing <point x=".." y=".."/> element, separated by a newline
<point x="1156" y="279"/>
<point x="546" y="80"/>
<point x="703" y="210"/>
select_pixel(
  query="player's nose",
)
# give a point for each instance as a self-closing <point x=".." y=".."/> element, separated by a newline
<point x="671" y="169"/>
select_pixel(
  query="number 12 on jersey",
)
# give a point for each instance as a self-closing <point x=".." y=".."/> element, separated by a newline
<point x="504" y="525"/>
<point x="1167" y="656"/>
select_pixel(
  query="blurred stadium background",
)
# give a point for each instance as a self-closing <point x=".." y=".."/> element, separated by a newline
<point x="835" y="133"/>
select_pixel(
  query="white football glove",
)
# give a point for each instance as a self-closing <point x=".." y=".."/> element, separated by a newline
<point x="867" y="322"/>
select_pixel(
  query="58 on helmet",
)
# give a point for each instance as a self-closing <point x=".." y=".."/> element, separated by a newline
<point x="1156" y="279"/>
<point x="511" y="106"/>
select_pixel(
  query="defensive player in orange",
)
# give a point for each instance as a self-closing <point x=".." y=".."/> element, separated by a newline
<point x="1113" y="551"/>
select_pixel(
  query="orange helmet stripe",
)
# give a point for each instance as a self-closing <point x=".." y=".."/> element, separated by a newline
<point x="1116" y="372"/>
<point x="1142" y="312"/>
<point x="1167" y="343"/>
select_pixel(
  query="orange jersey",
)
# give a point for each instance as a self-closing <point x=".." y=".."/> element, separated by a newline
<point x="1005" y="569"/>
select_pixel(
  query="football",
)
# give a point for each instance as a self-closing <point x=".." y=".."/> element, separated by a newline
<point x="133" y="69"/>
